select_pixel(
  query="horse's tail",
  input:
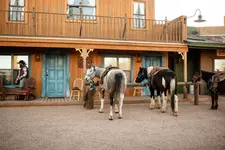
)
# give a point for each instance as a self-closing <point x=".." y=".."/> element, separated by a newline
<point x="118" y="78"/>
<point x="173" y="92"/>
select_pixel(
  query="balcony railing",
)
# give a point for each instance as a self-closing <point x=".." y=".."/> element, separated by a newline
<point x="45" y="24"/>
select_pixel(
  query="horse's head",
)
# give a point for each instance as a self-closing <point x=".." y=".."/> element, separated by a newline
<point x="142" y="74"/>
<point x="197" y="76"/>
<point x="91" y="71"/>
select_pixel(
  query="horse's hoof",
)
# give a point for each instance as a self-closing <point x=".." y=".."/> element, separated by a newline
<point x="100" y="111"/>
<point x="110" y="118"/>
<point x="175" y="114"/>
<point x="116" y="112"/>
<point x="163" y="111"/>
<point x="120" y="117"/>
<point x="159" y="106"/>
<point x="151" y="107"/>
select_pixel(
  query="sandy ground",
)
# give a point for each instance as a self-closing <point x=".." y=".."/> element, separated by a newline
<point x="73" y="127"/>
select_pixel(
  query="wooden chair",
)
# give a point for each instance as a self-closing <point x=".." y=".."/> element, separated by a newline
<point x="2" y="89"/>
<point x="76" y="91"/>
<point x="137" y="89"/>
<point x="28" y="89"/>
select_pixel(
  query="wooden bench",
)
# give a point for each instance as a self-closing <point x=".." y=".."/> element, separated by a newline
<point x="27" y="91"/>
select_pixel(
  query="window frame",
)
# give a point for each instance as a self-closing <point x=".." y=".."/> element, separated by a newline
<point x="82" y="16"/>
<point x="117" y="59"/>
<point x="138" y="19"/>
<point x="13" y="85"/>
<point x="214" y="67"/>
<point x="16" y="6"/>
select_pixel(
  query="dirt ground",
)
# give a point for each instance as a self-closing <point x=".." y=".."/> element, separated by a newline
<point x="73" y="127"/>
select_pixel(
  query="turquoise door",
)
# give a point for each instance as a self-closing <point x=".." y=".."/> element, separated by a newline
<point x="150" y="61"/>
<point x="55" y="75"/>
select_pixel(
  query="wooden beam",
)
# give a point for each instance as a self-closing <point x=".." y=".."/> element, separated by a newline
<point x="95" y="44"/>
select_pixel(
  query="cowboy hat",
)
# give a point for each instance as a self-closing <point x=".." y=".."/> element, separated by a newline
<point x="21" y="62"/>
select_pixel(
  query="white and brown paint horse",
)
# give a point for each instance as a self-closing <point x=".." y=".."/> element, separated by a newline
<point x="114" y="82"/>
<point x="164" y="81"/>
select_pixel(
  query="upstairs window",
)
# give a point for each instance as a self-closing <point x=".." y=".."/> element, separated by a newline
<point x="139" y="14"/>
<point x="16" y="10"/>
<point x="78" y="8"/>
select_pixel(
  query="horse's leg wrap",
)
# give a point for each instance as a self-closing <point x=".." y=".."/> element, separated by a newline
<point x="111" y="113"/>
<point x="164" y="105"/>
<point x="116" y="108"/>
<point x="152" y="103"/>
<point x="121" y="105"/>
<point x="102" y="101"/>
<point x="111" y="107"/>
<point x="159" y="100"/>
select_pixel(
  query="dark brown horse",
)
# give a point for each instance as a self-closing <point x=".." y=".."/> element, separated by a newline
<point x="215" y="85"/>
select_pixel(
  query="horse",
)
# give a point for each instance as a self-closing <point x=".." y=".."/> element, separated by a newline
<point x="114" y="82"/>
<point x="205" y="75"/>
<point x="164" y="81"/>
<point x="215" y="84"/>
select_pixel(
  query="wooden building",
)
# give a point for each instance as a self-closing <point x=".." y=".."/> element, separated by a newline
<point x="206" y="50"/>
<point x="55" y="37"/>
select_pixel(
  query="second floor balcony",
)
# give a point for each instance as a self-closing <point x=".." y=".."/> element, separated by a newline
<point x="46" y="24"/>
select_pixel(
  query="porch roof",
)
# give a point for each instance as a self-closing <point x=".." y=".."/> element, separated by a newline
<point x="19" y="41"/>
<point x="196" y="40"/>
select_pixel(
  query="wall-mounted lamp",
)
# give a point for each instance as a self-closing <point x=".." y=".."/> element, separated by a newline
<point x="199" y="16"/>
<point x="37" y="57"/>
<point x="139" y="58"/>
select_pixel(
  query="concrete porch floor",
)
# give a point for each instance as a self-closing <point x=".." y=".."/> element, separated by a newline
<point x="66" y="101"/>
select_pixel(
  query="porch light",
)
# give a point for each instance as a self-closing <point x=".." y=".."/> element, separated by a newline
<point x="199" y="16"/>
<point x="139" y="58"/>
<point x="37" y="57"/>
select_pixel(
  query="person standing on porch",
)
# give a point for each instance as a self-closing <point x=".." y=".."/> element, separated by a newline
<point x="23" y="73"/>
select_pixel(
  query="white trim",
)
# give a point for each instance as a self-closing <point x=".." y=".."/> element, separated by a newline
<point x="212" y="34"/>
<point x="94" y="40"/>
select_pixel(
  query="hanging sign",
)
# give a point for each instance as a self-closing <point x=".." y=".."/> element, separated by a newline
<point x="220" y="52"/>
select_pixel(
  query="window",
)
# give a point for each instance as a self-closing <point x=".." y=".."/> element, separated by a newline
<point x="219" y="64"/>
<point x="78" y="8"/>
<point x="9" y="68"/>
<point x="16" y="10"/>
<point x="123" y="63"/>
<point x="139" y="14"/>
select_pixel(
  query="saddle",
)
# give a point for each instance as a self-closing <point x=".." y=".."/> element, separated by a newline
<point x="154" y="72"/>
<point x="107" y="69"/>
<point x="218" y="77"/>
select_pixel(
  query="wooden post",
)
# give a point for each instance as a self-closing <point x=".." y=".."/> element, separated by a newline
<point x="84" y="54"/>
<point x="166" y="30"/>
<point x="125" y="28"/>
<point x="34" y="21"/>
<point x="184" y="57"/>
<point x="185" y="74"/>
<point x="196" y="93"/>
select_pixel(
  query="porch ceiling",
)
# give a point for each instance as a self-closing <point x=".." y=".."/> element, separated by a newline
<point x="91" y="43"/>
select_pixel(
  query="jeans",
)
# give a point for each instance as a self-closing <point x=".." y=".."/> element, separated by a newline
<point x="22" y="82"/>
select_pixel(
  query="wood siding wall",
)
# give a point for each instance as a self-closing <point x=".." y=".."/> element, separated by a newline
<point x="49" y="19"/>
<point x="75" y="72"/>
